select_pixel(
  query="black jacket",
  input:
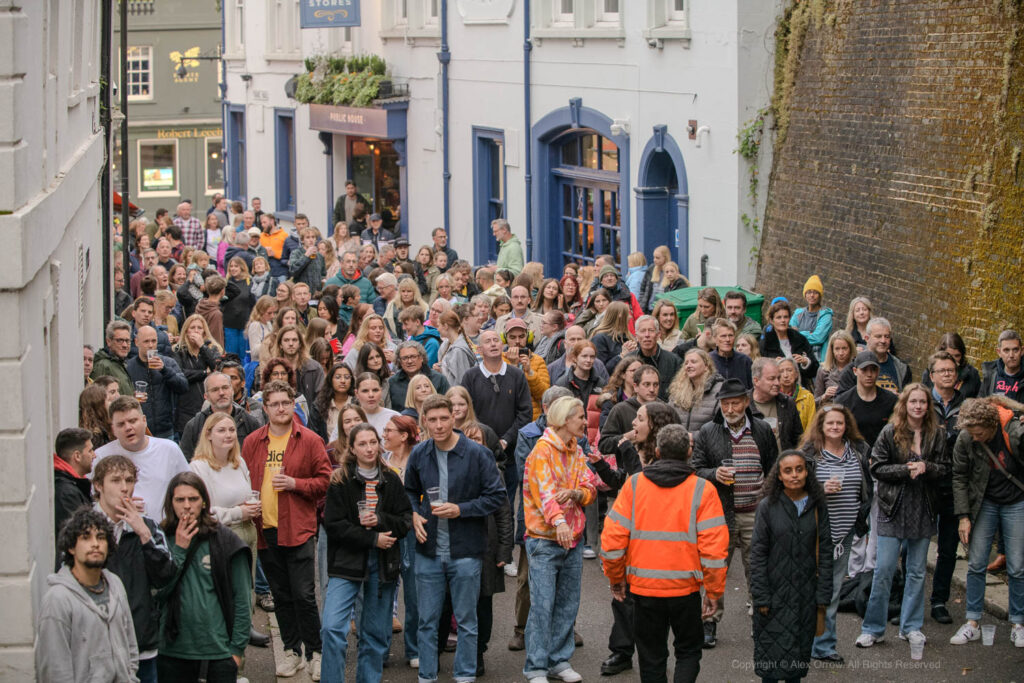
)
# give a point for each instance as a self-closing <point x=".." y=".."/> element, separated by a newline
<point x="143" y="569"/>
<point x="164" y="387"/>
<point x="736" y="366"/>
<point x="310" y="378"/>
<point x="349" y="543"/>
<point x="848" y="380"/>
<point x="620" y="421"/>
<point x="770" y="348"/>
<point x="790" y="427"/>
<point x="69" y="494"/>
<point x="607" y="347"/>
<point x="499" y="549"/>
<point x="968" y="381"/>
<point x="993" y="371"/>
<point x="647" y="290"/>
<point x="787" y="578"/>
<point x="667" y="364"/>
<point x="245" y="424"/>
<point x="627" y="463"/>
<point x="889" y="468"/>
<point x="195" y="369"/>
<point x="236" y="309"/>
<point x="713" y="444"/>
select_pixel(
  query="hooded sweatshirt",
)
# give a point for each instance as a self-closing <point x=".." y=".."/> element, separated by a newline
<point x="210" y="310"/>
<point x="80" y="642"/>
<point x="554" y="465"/>
<point x="998" y="381"/>
<point x="431" y="340"/>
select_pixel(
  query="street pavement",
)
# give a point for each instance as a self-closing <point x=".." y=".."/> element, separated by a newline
<point x="730" y="661"/>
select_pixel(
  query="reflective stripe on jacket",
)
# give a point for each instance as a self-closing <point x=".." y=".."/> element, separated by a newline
<point x="666" y="541"/>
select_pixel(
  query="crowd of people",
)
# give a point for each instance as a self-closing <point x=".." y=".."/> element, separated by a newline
<point x="338" y="430"/>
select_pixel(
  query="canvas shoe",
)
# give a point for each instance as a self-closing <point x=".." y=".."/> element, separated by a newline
<point x="314" y="666"/>
<point x="965" y="634"/>
<point x="568" y="674"/>
<point x="292" y="664"/>
<point x="867" y="640"/>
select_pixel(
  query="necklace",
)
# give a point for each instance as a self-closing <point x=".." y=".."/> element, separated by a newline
<point x="99" y="588"/>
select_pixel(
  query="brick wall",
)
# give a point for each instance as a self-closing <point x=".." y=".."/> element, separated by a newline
<point x="899" y="176"/>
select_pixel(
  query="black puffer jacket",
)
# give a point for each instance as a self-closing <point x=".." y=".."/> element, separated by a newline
<point x="889" y="468"/>
<point x="349" y="543"/>
<point x="786" y="578"/>
<point x="713" y="444"/>
<point x="195" y="368"/>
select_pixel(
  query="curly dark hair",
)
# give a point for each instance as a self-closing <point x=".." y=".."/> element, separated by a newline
<point x="268" y="366"/>
<point x="84" y="520"/>
<point x="773" y="485"/>
<point x="326" y="395"/>
<point x="207" y="522"/>
<point x="658" y="414"/>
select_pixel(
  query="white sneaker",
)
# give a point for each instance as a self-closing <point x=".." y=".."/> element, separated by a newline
<point x="867" y="640"/>
<point x="1017" y="635"/>
<point x="750" y="609"/>
<point x="569" y="675"/>
<point x="965" y="634"/>
<point x="290" y="665"/>
<point x="511" y="569"/>
<point x="912" y="634"/>
<point x="538" y="679"/>
<point x="588" y="554"/>
<point x="314" y="667"/>
<point x="414" y="663"/>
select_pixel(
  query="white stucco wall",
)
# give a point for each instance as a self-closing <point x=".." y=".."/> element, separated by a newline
<point x="50" y="300"/>
<point x="720" y="77"/>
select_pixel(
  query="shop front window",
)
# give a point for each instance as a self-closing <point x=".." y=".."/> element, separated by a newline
<point x="374" y="167"/>
<point x="158" y="167"/>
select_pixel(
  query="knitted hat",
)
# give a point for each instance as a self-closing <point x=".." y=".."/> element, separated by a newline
<point x="608" y="269"/>
<point x="814" y="282"/>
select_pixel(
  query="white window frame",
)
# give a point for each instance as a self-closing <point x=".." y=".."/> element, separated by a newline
<point x="234" y="28"/>
<point x="587" y="21"/>
<point x="284" y="41"/>
<point x="206" y="165"/>
<point x="138" y="56"/>
<point x="341" y="40"/>
<point x="417" y="26"/>
<point x="176" y="191"/>
<point x="664" y="22"/>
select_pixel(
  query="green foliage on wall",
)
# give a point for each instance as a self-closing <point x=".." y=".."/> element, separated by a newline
<point x="353" y="81"/>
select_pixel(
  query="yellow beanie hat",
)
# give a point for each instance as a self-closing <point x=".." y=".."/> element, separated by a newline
<point x="814" y="282"/>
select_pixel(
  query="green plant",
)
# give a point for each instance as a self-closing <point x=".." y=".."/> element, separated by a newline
<point x="748" y="147"/>
<point x="331" y="79"/>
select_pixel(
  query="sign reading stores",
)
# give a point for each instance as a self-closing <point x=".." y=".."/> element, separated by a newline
<point x="349" y="120"/>
<point x="329" y="13"/>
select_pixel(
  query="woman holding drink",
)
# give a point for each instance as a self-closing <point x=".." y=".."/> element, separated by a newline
<point x="839" y="460"/>
<point x="366" y="514"/>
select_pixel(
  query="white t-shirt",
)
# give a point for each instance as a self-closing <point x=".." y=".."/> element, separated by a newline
<point x="380" y="419"/>
<point x="158" y="462"/>
<point x="228" y="488"/>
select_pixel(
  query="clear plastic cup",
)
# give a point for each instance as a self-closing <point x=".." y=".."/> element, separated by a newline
<point x="253" y="497"/>
<point x="988" y="634"/>
<point x="364" y="510"/>
<point x="141" y="391"/>
<point x="434" y="496"/>
<point x="916" y="647"/>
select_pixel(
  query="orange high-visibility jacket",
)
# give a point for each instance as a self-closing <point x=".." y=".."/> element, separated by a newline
<point x="666" y="542"/>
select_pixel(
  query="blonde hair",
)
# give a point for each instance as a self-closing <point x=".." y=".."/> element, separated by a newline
<point x="263" y="304"/>
<point x="409" y="284"/>
<point x="656" y="271"/>
<point x="184" y="344"/>
<point x="637" y="258"/>
<point x="204" y="449"/>
<point x="586" y="277"/>
<point x="685" y="394"/>
<point x="240" y="262"/>
<point x="615" y="322"/>
<point x="364" y="330"/>
<point x="332" y="254"/>
<point x="656" y="313"/>
<point x="840" y="335"/>
<point x="535" y="270"/>
<point x="851" y="324"/>
<point x="562" y="409"/>
<point x="461" y="392"/>
<point x="664" y="273"/>
<point x="410" y="393"/>
<point x="755" y="348"/>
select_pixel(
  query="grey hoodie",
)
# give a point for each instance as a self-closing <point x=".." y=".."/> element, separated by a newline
<point x="102" y="646"/>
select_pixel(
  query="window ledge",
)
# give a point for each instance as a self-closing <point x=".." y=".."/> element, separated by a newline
<point x="428" y="37"/>
<point x="669" y="32"/>
<point x="283" y="56"/>
<point x="578" y="35"/>
<point x="140" y="100"/>
<point x="232" y="56"/>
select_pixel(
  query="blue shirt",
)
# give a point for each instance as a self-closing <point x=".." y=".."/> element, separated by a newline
<point x="443" y="546"/>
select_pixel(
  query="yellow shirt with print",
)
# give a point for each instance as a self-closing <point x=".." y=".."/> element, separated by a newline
<point x="275" y="462"/>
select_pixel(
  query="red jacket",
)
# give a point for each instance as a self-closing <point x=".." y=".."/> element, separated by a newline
<point x="305" y="460"/>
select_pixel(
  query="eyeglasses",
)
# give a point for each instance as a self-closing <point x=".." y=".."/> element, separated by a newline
<point x="945" y="371"/>
<point x="121" y="341"/>
<point x="494" y="385"/>
<point x="280" y="404"/>
<point x="408" y="359"/>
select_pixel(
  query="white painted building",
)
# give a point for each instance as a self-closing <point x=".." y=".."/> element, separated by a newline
<point x="608" y="154"/>
<point x="51" y="154"/>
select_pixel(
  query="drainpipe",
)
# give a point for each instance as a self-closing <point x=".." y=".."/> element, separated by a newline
<point x="125" y="210"/>
<point x="528" y="155"/>
<point x="444" y="57"/>
<point x="106" y="39"/>
<point x="327" y="140"/>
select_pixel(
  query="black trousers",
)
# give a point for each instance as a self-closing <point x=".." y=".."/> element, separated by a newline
<point x="652" y="619"/>
<point x="945" y="561"/>
<point x="174" y="670"/>
<point x="620" y="641"/>
<point x="290" y="572"/>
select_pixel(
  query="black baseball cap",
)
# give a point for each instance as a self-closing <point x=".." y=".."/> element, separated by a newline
<point x="864" y="359"/>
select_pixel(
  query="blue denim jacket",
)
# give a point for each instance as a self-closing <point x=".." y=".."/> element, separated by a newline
<point x="473" y="483"/>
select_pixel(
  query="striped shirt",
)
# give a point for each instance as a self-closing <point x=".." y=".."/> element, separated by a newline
<point x="370" y="480"/>
<point x="746" y="491"/>
<point x="844" y="506"/>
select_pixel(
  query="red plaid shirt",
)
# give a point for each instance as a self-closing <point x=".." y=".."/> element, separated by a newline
<point x="192" y="233"/>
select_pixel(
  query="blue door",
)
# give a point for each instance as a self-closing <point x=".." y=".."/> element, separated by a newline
<point x="589" y="211"/>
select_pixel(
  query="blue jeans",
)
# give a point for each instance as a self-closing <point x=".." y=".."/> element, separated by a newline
<point x="261" y="587"/>
<point x="555" y="575"/>
<point x="147" y="670"/>
<point x="1009" y="520"/>
<point x="462" y="578"/>
<point x="374" y="625"/>
<point x="825" y="644"/>
<point x="912" y="610"/>
<point x="234" y="342"/>
<point x="412" y="612"/>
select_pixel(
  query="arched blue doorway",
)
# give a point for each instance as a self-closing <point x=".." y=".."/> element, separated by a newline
<point x="581" y="206"/>
<point x="663" y="199"/>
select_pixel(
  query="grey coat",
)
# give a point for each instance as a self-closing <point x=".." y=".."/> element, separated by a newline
<point x="301" y="268"/>
<point x="704" y="411"/>
<point x="77" y="642"/>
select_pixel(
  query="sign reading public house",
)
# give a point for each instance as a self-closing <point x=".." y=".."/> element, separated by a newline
<point x="349" y="120"/>
<point x="329" y="13"/>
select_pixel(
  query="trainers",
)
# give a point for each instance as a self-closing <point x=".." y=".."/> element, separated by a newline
<point x="588" y="554"/>
<point x="314" y="666"/>
<point x="414" y="663"/>
<point x="750" y="609"/>
<point x="538" y="679"/>
<point x="867" y="640"/>
<point x="567" y="674"/>
<point x="511" y="570"/>
<point x="912" y="634"/>
<point x="265" y="601"/>
<point x="1017" y="635"/>
<point x="292" y="664"/>
<point x="965" y="634"/>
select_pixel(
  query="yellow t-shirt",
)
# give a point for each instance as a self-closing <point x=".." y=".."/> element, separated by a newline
<point x="275" y="462"/>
